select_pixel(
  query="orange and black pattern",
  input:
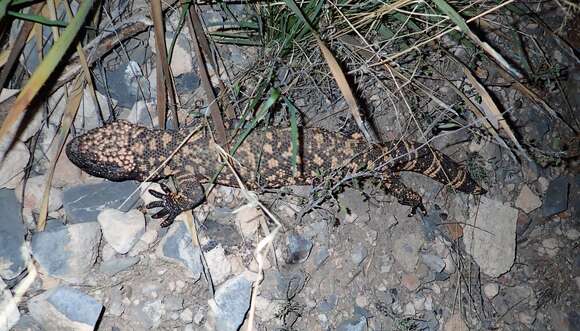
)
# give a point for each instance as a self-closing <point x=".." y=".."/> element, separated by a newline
<point x="123" y="151"/>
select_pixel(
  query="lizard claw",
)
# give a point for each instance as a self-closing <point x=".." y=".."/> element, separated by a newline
<point x="168" y="204"/>
<point x="421" y="207"/>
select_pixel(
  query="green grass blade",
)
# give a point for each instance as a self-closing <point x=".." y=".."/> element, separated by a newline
<point x="38" y="19"/>
<point x="453" y="14"/>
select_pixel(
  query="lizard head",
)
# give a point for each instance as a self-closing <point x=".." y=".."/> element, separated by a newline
<point x="108" y="151"/>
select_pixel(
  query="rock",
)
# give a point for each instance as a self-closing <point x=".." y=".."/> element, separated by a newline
<point x="490" y="236"/>
<point x="248" y="220"/>
<point x="177" y="247"/>
<point x="556" y="198"/>
<point x="527" y="201"/>
<point x="572" y="234"/>
<point x="419" y="302"/>
<point x="491" y="290"/>
<point x="33" y="192"/>
<point x="455" y="323"/>
<point x="9" y="314"/>
<point x="67" y="252"/>
<point x="230" y="304"/>
<point x="328" y="304"/>
<point x="13" y="252"/>
<point x="267" y="310"/>
<point x="409" y="309"/>
<point x="186" y="316"/>
<point x="66" y="173"/>
<point x="115" y="265"/>
<point x="11" y="165"/>
<point x="550" y="246"/>
<point x="198" y="317"/>
<point x="298" y="248"/>
<point x="406" y="250"/>
<point x="65" y="308"/>
<point x="433" y="262"/>
<point x="321" y="256"/>
<point x="410" y="281"/>
<point x="83" y="203"/>
<point x="358" y="254"/>
<point x="173" y="303"/>
<point x="353" y="325"/>
<point x="219" y="265"/>
<point x="122" y="230"/>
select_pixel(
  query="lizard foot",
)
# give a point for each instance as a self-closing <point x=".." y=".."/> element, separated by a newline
<point x="421" y="207"/>
<point x="168" y="204"/>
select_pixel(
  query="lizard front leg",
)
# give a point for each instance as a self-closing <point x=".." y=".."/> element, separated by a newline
<point x="404" y="195"/>
<point x="189" y="195"/>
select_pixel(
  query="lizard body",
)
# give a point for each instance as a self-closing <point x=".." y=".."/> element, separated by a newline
<point x="123" y="151"/>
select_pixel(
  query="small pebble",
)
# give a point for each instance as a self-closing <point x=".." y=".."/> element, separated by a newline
<point x="491" y="290"/>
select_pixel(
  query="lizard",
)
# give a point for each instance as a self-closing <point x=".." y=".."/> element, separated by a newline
<point x="121" y="151"/>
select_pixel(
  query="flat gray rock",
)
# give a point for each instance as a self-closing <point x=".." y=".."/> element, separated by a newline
<point x="232" y="301"/>
<point x="122" y="230"/>
<point x="65" y="308"/>
<point x="556" y="197"/>
<point x="490" y="236"/>
<point x="13" y="253"/>
<point x="83" y="203"/>
<point x="118" y="264"/>
<point x="177" y="247"/>
<point x="67" y="252"/>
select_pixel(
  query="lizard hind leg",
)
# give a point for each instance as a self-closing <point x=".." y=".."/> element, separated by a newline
<point x="404" y="195"/>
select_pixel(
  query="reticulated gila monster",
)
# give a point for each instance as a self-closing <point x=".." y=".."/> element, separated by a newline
<point x="123" y="151"/>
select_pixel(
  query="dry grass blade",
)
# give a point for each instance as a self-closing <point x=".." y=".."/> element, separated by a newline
<point x="493" y="114"/>
<point x="254" y="201"/>
<point x="72" y="106"/>
<point x="13" y="120"/>
<point x="163" y="73"/>
<point x="199" y="40"/>
<point x="462" y="24"/>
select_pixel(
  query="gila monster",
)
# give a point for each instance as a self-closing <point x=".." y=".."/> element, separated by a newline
<point x="123" y="151"/>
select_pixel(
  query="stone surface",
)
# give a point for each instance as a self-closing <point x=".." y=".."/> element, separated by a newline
<point x="490" y="236"/>
<point x="13" y="252"/>
<point x="218" y="264"/>
<point x="406" y="250"/>
<point x="67" y="252"/>
<point x="433" y="262"/>
<point x="527" y="200"/>
<point x="353" y="325"/>
<point x="9" y="314"/>
<point x="455" y="323"/>
<point x="248" y="220"/>
<point x="33" y="192"/>
<point x="177" y="247"/>
<point x="83" y="203"/>
<point x="122" y="230"/>
<point x="556" y="198"/>
<point x="358" y="254"/>
<point x="65" y="308"/>
<point x="11" y="167"/>
<point x="298" y="248"/>
<point x="491" y="290"/>
<point x="118" y="264"/>
<point x="230" y="304"/>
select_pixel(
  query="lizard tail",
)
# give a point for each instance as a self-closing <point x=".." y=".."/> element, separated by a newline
<point x="412" y="156"/>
